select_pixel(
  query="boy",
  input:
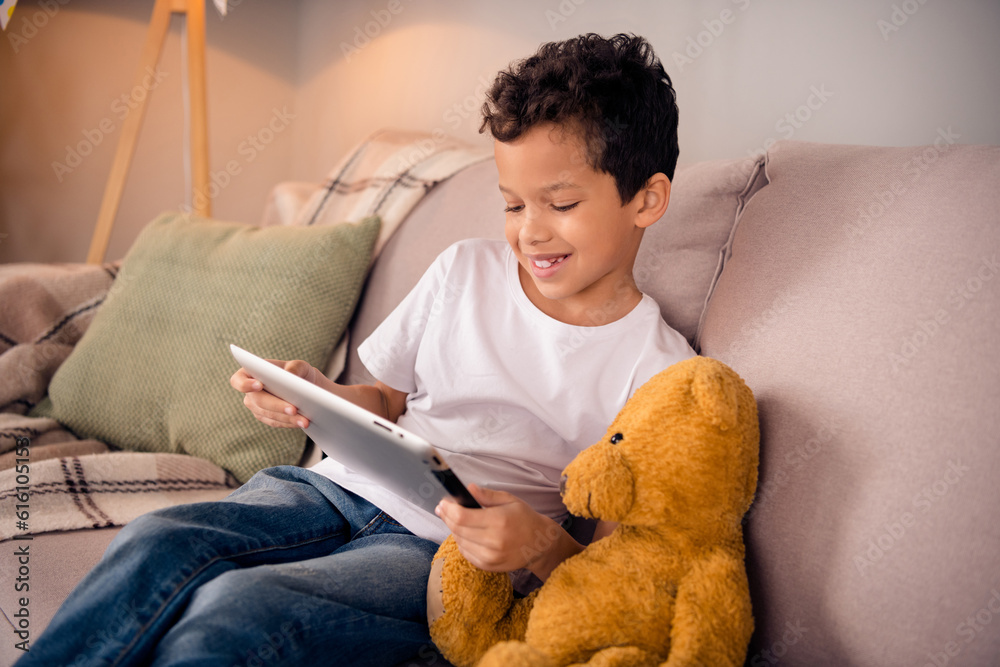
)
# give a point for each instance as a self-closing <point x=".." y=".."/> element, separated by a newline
<point x="548" y="330"/>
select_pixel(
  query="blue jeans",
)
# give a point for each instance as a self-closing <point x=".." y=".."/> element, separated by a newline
<point x="290" y="569"/>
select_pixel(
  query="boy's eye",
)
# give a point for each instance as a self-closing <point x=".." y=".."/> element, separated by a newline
<point x="563" y="209"/>
<point x="513" y="209"/>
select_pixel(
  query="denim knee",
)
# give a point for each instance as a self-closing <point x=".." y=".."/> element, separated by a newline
<point x="157" y="535"/>
<point x="139" y="534"/>
<point x="227" y="594"/>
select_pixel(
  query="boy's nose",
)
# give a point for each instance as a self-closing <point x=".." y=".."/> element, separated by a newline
<point x="533" y="232"/>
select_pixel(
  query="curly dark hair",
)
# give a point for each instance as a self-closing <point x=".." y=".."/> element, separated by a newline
<point x="613" y="90"/>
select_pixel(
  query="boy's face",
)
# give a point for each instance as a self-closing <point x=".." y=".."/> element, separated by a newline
<point x="574" y="241"/>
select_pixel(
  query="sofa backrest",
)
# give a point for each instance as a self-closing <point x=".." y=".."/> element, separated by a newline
<point x="861" y="303"/>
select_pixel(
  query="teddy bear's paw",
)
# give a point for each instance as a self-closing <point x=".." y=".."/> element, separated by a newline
<point x="621" y="656"/>
<point x="505" y="654"/>
<point x="469" y="610"/>
<point x="452" y="572"/>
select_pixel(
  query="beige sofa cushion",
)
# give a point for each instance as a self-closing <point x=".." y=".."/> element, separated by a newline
<point x="680" y="256"/>
<point x="860" y="303"/>
<point x="676" y="265"/>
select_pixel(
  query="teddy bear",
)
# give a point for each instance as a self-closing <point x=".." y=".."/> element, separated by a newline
<point x="677" y="471"/>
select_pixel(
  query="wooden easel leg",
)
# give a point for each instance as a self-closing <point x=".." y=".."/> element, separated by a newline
<point x="201" y="202"/>
<point x="155" y="37"/>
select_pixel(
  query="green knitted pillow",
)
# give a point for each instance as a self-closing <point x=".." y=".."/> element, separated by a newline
<point x="152" y="371"/>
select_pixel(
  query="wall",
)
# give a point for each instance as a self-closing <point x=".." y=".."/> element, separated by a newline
<point x="888" y="72"/>
<point x="746" y="71"/>
<point x="61" y="103"/>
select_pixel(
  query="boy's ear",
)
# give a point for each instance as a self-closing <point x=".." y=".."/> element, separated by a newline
<point x="655" y="197"/>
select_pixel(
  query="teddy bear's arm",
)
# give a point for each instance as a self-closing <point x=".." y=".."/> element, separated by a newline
<point x="713" y="618"/>
<point x="469" y="610"/>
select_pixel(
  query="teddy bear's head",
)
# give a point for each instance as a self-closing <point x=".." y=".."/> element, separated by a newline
<point x="682" y="453"/>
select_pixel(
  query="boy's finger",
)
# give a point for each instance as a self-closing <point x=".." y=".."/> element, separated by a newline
<point x="278" y="423"/>
<point x="298" y="367"/>
<point x="269" y="406"/>
<point x="489" y="497"/>
<point x="443" y="507"/>
<point x="451" y="513"/>
<point x="242" y="381"/>
<point x="267" y="402"/>
<point x="462" y="520"/>
<point x="285" y="414"/>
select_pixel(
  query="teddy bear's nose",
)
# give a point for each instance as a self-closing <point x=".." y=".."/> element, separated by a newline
<point x="562" y="484"/>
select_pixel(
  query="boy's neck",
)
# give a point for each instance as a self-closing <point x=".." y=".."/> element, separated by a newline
<point x="595" y="307"/>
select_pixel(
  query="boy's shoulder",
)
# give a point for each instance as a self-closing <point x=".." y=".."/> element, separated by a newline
<point x="468" y="262"/>
<point x="496" y="247"/>
<point x="474" y="253"/>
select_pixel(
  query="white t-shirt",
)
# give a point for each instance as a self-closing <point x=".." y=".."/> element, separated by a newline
<point x="507" y="394"/>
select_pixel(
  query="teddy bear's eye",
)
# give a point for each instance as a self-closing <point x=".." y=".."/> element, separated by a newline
<point x="616" y="438"/>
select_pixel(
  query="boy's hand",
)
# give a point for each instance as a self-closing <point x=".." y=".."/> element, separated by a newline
<point x="266" y="407"/>
<point x="506" y="534"/>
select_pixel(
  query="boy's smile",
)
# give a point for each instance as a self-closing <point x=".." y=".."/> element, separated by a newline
<point x="545" y="266"/>
<point x="574" y="240"/>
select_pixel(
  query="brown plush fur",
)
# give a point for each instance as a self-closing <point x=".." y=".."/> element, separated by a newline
<point x="669" y="585"/>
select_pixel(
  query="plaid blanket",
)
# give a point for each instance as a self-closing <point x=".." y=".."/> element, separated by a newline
<point x="45" y="309"/>
<point x="385" y="176"/>
<point x="101" y="490"/>
<point x="49" y="478"/>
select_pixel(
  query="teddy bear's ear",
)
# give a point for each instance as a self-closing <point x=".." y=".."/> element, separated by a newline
<point x="715" y="393"/>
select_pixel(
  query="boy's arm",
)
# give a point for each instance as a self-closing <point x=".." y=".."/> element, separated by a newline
<point x="379" y="398"/>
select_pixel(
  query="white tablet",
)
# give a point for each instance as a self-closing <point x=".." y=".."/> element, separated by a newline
<point x="401" y="461"/>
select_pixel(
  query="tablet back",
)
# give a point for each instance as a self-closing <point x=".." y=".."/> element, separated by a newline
<point x="399" y="460"/>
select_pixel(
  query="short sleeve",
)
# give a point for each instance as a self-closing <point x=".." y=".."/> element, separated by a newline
<point x="390" y="352"/>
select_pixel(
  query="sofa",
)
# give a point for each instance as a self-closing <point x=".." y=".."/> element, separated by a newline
<point x="855" y="289"/>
